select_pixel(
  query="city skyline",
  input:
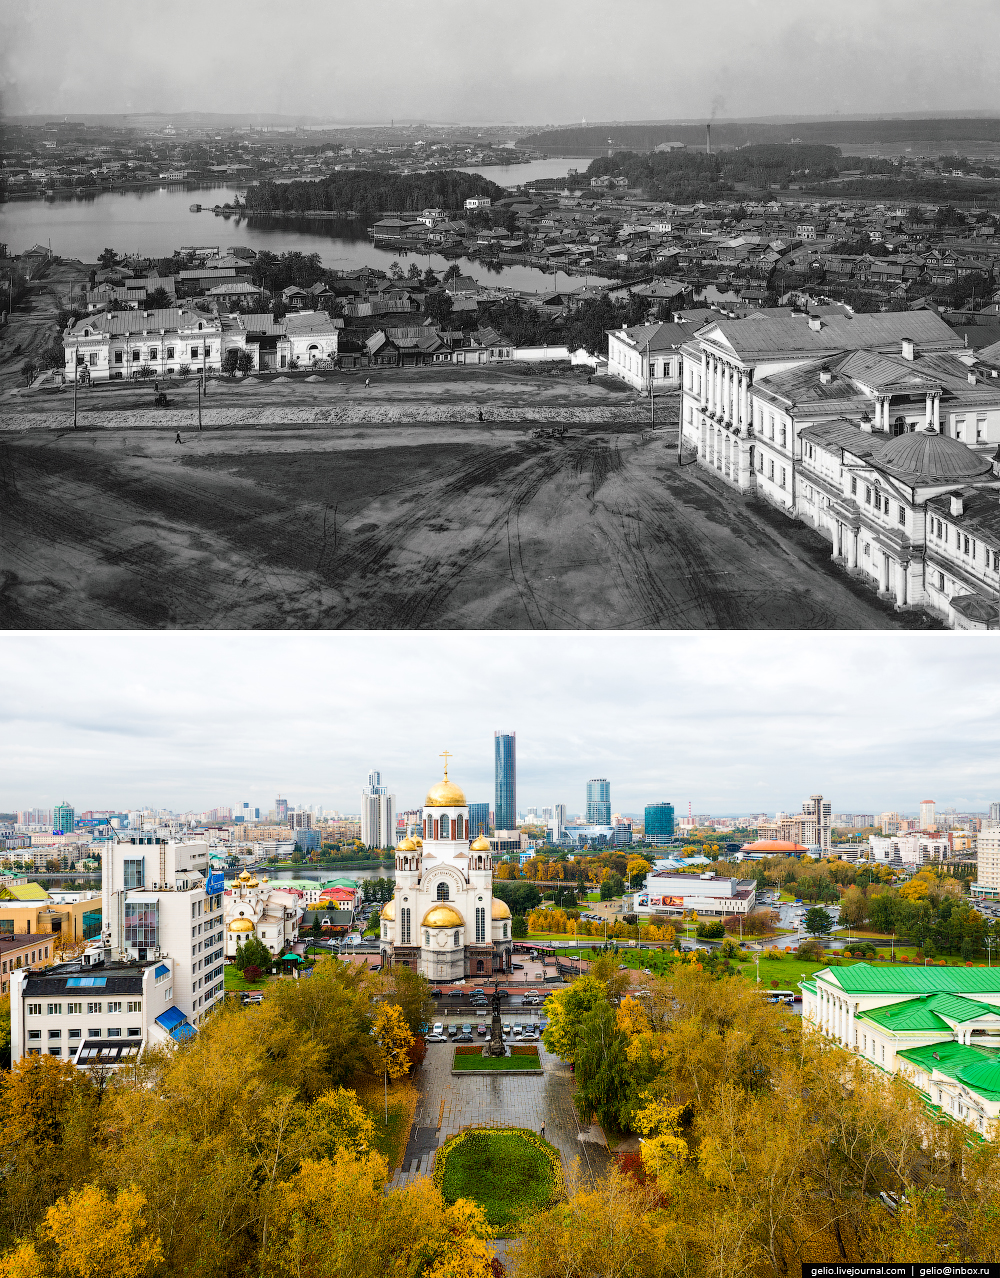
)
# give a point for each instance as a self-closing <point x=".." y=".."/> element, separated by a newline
<point x="190" y="721"/>
<point x="833" y="60"/>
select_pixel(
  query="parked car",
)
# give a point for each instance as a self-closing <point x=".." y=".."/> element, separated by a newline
<point x="436" y="1038"/>
<point x="452" y="1031"/>
<point x="464" y="1038"/>
<point x="518" y="1031"/>
<point x="482" y="1029"/>
<point x="455" y="993"/>
<point x="436" y="993"/>
<point x="504" y="993"/>
<point x="529" y="1000"/>
<point x="437" y="1027"/>
<point x="466" y="1029"/>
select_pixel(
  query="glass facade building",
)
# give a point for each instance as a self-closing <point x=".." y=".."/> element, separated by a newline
<point x="659" y="823"/>
<point x="599" y="801"/>
<point x="479" y="819"/>
<point x="63" y="818"/>
<point x="505" y="763"/>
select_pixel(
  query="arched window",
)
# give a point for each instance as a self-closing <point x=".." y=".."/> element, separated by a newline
<point x="456" y="938"/>
<point x="479" y="966"/>
<point x="427" y="938"/>
<point x="444" y="828"/>
<point x="505" y="931"/>
<point x="443" y="893"/>
<point x="458" y="828"/>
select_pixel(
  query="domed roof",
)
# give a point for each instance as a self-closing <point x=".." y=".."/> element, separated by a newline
<point x="480" y="845"/>
<point x="443" y="916"/>
<point x="446" y="794"/>
<point x="406" y="845"/>
<point x="245" y="877"/>
<point x="418" y="841"/>
<point x="500" y="909"/>
<point x="931" y="456"/>
<point x="253" y="883"/>
<point x="388" y="911"/>
<point x="241" y="925"/>
<point x="774" y="845"/>
<point x="982" y="1076"/>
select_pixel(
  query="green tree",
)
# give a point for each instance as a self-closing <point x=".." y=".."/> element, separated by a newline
<point x="518" y="927"/>
<point x="566" y="1011"/>
<point x="159" y="299"/>
<point x="818" y="922"/>
<point x="253" y="953"/>
<point x="605" y="1084"/>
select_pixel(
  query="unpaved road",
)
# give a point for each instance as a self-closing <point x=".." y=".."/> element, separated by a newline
<point x="424" y="525"/>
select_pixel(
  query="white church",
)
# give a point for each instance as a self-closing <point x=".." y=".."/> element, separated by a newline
<point x="444" y="920"/>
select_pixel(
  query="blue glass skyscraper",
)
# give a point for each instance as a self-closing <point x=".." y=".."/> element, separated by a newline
<point x="479" y="819"/>
<point x="599" y="802"/>
<point x="659" y="823"/>
<point x="505" y="762"/>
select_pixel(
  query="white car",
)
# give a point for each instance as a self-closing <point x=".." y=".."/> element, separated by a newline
<point x="436" y="1038"/>
<point x="437" y="1028"/>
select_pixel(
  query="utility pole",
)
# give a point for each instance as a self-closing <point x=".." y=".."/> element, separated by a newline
<point x="199" y="402"/>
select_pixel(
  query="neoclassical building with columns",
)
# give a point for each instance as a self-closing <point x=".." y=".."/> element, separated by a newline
<point x="443" y="920"/>
<point x="881" y="431"/>
<point x="937" y="1026"/>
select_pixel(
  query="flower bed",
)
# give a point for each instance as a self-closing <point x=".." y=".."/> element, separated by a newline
<point x="510" y="1171"/>
<point x="472" y="1058"/>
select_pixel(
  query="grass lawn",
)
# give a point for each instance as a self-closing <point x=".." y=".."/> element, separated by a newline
<point x="495" y="1062"/>
<point x="509" y="1173"/>
<point x="235" y="981"/>
<point x="390" y="1137"/>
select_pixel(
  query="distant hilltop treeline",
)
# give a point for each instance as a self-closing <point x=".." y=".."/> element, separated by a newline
<point x="594" y="139"/>
<point x="367" y="192"/>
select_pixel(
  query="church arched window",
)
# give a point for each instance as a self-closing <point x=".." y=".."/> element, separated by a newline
<point x="427" y="938"/>
<point x="458" y="828"/>
<point x="442" y="891"/>
<point x="456" y="938"/>
<point x="444" y="828"/>
<point x="505" y="931"/>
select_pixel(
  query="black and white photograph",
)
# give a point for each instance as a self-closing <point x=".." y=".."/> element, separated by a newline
<point x="387" y="888"/>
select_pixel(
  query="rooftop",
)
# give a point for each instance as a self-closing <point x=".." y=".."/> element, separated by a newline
<point x="865" y="978"/>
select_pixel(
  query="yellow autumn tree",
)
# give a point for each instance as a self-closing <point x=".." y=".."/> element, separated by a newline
<point x="392" y="1034"/>
<point x="90" y="1234"/>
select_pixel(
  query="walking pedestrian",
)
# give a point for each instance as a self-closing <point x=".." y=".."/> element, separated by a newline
<point x="543" y="1131"/>
<point x="368" y="382"/>
<point x="480" y="414"/>
<point x="178" y="439"/>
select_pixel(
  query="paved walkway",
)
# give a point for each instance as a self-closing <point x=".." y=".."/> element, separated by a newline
<point x="449" y="1103"/>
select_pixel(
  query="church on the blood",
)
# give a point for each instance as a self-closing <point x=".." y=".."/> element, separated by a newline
<point x="444" y="920"/>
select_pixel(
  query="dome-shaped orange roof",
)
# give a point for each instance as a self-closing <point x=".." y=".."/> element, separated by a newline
<point x="773" y="845"/>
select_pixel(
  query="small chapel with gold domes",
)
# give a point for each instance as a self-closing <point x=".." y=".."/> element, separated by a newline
<point x="443" y="920"/>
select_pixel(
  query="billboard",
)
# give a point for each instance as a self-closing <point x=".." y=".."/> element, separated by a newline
<point x="671" y="902"/>
<point x="215" y="882"/>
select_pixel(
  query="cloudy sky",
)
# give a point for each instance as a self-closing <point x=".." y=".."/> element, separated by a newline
<point x="732" y="723"/>
<point x="553" y="62"/>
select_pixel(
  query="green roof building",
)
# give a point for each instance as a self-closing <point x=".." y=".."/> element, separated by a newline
<point x="938" y="1026"/>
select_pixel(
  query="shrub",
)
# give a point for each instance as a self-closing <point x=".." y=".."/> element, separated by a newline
<point x="252" y="973"/>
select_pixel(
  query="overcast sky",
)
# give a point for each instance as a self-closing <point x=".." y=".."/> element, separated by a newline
<point x="521" y="61"/>
<point x="730" y="722"/>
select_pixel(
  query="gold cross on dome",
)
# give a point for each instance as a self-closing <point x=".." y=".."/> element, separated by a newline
<point x="446" y="755"/>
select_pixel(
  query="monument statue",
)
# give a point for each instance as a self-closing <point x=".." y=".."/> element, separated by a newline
<point x="496" y="1046"/>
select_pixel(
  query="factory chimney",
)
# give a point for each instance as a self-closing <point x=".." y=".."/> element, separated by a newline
<point x="708" y="139"/>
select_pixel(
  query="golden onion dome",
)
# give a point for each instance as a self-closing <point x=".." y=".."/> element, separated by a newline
<point x="264" y="879"/>
<point x="419" y="841"/>
<point x="500" y="909"/>
<point x="443" y="916"/>
<point x="446" y="794"/>
<point x="241" y="925"/>
<point x="481" y="845"/>
<point x="406" y="845"/>
<point x="388" y="912"/>
<point x="253" y="883"/>
<point x="245" y="877"/>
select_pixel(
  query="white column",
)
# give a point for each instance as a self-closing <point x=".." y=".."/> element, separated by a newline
<point x="937" y="412"/>
<point x="703" y="397"/>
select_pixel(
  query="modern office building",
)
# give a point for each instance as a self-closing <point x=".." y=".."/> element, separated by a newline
<point x="378" y="814"/>
<point x="479" y="819"/>
<point x="505" y="773"/>
<point x="599" y="801"/>
<point x="820" y="813"/>
<point x="659" y="823"/>
<point x="987" y="884"/>
<point x="63" y="818"/>
<point x="995" y="813"/>
<point x="281" y="809"/>
<point x="559" y="813"/>
<point x="928" y="818"/>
